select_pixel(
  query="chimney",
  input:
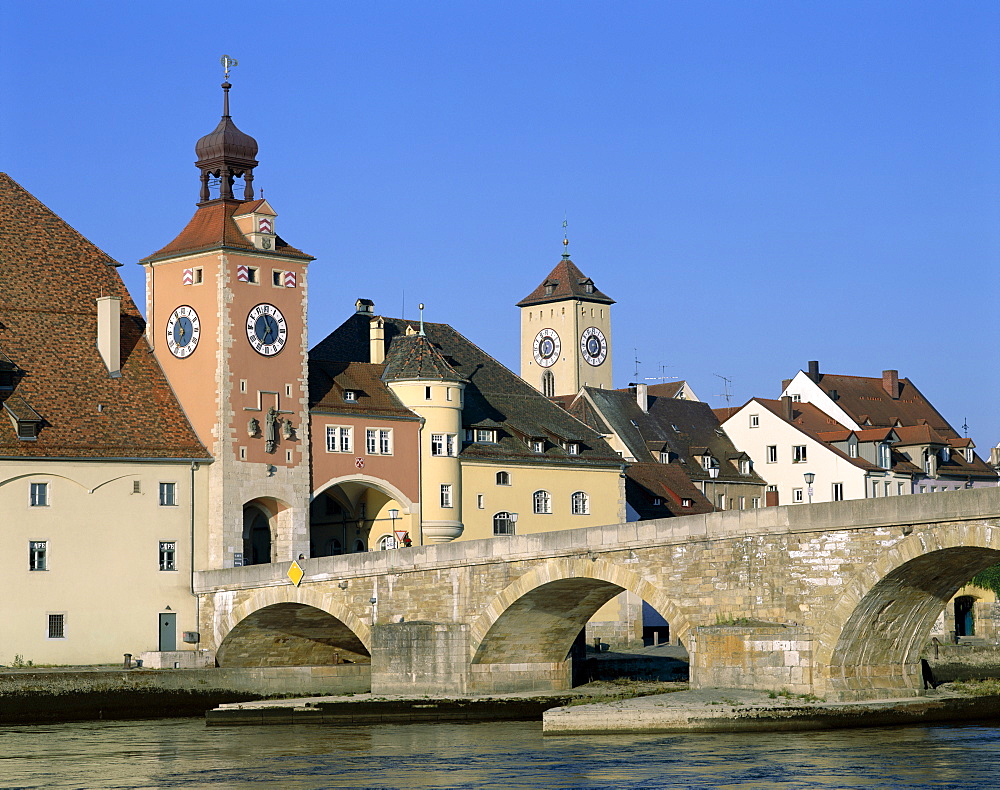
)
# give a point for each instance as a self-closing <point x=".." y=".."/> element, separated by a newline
<point x="814" y="370"/>
<point x="890" y="383"/>
<point x="364" y="307"/>
<point x="642" y="396"/>
<point x="786" y="407"/>
<point x="376" y="340"/>
<point x="109" y="333"/>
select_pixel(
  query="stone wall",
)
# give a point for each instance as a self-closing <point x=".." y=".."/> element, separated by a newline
<point x="767" y="657"/>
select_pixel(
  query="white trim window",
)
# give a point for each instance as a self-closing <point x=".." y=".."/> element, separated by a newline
<point x="503" y="524"/>
<point x="755" y="502"/>
<point x="580" y="504"/>
<point x="38" y="495"/>
<point x="339" y="439"/>
<point x="837" y="492"/>
<point x="168" y="494"/>
<point x="573" y="448"/>
<point x="884" y="455"/>
<point x="378" y="441"/>
<point x="541" y="502"/>
<point x="798" y="454"/>
<point x="503" y="478"/>
<point x="754" y="420"/>
<point x="446" y="500"/>
<point x="797" y="497"/>
<point x="38" y="555"/>
<point x="537" y="445"/>
<point x="168" y="555"/>
<point x="443" y="444"/>
<point x="772" y="453"/>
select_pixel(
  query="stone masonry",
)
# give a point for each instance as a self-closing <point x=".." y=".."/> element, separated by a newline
<point x="834" y="599"/>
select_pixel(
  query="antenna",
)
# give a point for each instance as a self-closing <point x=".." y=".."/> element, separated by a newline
<point x="636" y="351"/>
<point x="661" y="378"/>
<point x="965" y="427"/>
<point x="725" y="389"/>
<point x="227" y="63"/>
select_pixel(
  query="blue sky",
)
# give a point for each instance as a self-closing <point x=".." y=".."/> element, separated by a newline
<point x="757" y="184"/>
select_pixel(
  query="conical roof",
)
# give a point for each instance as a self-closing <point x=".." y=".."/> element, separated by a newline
<point x="414" y="357"/>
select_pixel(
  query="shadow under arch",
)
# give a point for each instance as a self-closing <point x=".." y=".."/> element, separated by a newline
<point x="291" y="627"/>
<point x="377" y="483"/>
<point x="874" y="650"/>
<point x="536" y="618"/>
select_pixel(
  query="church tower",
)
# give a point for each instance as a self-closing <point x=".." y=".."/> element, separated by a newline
<point x="226" y="318"/>
<point x="566" y="332"/>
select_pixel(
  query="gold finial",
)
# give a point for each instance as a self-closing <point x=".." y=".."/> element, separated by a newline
<point x="227" y="63"/>
<point x="421" y="306"/>
<point x="565" y="239"/>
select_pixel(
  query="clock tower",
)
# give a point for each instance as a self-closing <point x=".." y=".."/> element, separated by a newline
<point x="226" y="318"/>
<point x="566" y="333"/>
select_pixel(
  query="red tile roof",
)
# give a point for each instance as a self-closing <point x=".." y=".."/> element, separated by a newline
<point x="566" y="282"/>
<point x="213" y="226"/>
<point x="50" y="278"/>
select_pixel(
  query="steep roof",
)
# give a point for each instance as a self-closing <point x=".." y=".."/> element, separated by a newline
<point x="494" y="396"/>
<point x="212" y="227"/>
<point x="685" y="428"/>
<point x="50" y="278"/>
<point x="328" y="381"/>
<point x="669" y="482"/>
<point x="415" y="357"/>
<point x="565" y="281"/>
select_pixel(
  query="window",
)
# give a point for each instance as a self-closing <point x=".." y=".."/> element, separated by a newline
<point x="427" y="393"/>
<point x="503" y="524"/>
<point x="480" y="501"/>
<point x="37" y="551"/>
<point x="136" y="486"/>
<point x="339" y="439"/>
<point x="252" y="274"/>
<point x="772" y="454"/>
<point x="443" y="443"/>
<point x="168" y="494"/>
<point x="199" y="276"/>
<point x="350" y="396"/>
<point x="57" y="626"/>
<point x="39" y="494"/>
<point x="797" y="495"/>
<point x="548" y="384"/>
<point x="665" y="457"/>
<point x="755" y="502"/>
<point x="541" y="502"/>
<point x="798" y="454"/>
<point x="899" y="489"/>
<point x="969" y="455"/>
<point x="378" y="441"/>
<point x="884" y="455"/>
<point x="580" y="504"/>
<point x="687" y="502"/>
<point x="573" y="448"/>
<point x="923" y="489"/>
<point x="707" y="462"/>
<point x="446" y="495"/>
<point x="885" y="490"/>
<point x="875" y="488"/>
<point x="485" y="435"/>
<point x="743" y="503"/>
<point x="745" y="466"/>
<point x="503" y="478"/>
<point x="852" y="448"/>
<point x="796" y="398"/>
<point x="537" y="445"/>
<point x="837" y="492"/>
<point x="277" y="278"/>
<point x="754" y="420"/>
<point x="168" y="556"/>
<point x="657" y="500"/>
<point x="721" y="501"/>
<point x="945" y="454"/>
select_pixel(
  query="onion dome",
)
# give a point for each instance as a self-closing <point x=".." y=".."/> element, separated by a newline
<point x="226" y="153"/>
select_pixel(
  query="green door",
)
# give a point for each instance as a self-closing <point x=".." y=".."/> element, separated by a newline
<point x="168" y="631"/>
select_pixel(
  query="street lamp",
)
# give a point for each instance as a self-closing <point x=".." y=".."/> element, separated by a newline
<point x="393" y="515"/>
<point x="512" y="517"/>
<point x="809" y="478"/>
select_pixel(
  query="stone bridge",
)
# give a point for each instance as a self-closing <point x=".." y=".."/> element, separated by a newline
<point x="833" y="599"/>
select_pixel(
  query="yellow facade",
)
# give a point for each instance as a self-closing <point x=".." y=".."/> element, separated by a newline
<point x="102" y="525"/>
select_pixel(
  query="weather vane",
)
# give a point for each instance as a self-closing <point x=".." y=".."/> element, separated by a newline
<point x="565" y="238"/>
<point x="227" y="63"/>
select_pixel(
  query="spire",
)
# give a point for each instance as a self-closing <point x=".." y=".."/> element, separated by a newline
<point x="226" y="153"/>
<point x="565" y="240"/>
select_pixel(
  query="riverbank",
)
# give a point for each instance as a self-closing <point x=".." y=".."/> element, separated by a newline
<point x="738" y="710"/>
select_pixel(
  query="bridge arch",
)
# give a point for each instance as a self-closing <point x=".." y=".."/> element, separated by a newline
<point x="289" y="626"/>
<point x="536" y="618"/>
<point x="872" y="643"/>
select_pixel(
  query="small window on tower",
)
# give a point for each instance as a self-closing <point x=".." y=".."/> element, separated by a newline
<point x="277" y="278"/>
<point x="252" y="274"/>
<point x="199" y="276"/>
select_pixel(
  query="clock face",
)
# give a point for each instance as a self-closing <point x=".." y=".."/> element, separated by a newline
<point x="266" y="329"/>
<point x="547" y="347"/>
<point x="183" y="331"/>
<point x="594" y="346"/>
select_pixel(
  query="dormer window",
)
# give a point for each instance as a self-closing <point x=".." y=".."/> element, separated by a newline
<point x="481" y="435"/>
<point x="945" y="454"/>
<point x="350" y="396"/>
<point x="665" y="457"/>
<point x="884" y="455"/>
<point x="657" y="500"/>
<point x="745" y="466"/>
<point x="537" y="445"/>
<point x="27" y="422"/>
<point x="707" y="462"/>
<point x="549" y="289"/>
<point x="686" y="502"/>
<point x="573" y="448"/>
<point x="970" y="455"/>
<point x="588" y="287"/>
<point x="6" y="380"/>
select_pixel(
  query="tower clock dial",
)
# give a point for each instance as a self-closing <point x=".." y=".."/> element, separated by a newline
<point x="594" y="346"/>
<point x="547" y="347"/>
<point x="266" y="329"/>
<point x="183" y="331"/>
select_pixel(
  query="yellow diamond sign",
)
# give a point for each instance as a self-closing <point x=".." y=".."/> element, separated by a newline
<point x="295" y="573"/>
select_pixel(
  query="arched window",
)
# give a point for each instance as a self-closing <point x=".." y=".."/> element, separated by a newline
<point x="503" y="524"/>
<point x="386" y="542"/>
<point x="333" y="548"/>
<point x="359" y="545"/>
<point x="581" y="504"/>
<point x="542" y="502"/>
<point x="548" y="384"/>
<point x="503" y="478"/>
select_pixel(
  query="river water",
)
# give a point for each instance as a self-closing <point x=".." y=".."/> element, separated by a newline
<point x="183" y="753"/>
